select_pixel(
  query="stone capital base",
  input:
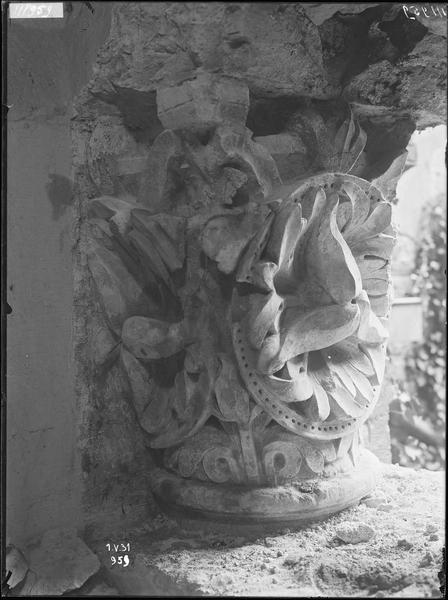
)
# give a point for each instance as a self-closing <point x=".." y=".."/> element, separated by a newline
<point x="292" y="505"/>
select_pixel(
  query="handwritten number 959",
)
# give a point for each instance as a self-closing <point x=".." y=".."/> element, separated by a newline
<point x="120" y="560"/>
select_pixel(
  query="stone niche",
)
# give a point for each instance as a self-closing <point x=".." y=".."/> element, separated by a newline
<point x="235" y="165"/>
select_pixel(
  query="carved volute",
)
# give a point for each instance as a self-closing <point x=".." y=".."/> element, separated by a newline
<point x="249" y="313"/>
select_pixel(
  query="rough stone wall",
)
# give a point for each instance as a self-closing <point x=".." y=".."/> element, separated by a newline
<point x="303" y="64"/>
<point x="48" y="62"/>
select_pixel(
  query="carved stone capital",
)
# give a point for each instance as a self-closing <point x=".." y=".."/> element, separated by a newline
<point x="236" y="231"/>
<point x="251" y="329"/>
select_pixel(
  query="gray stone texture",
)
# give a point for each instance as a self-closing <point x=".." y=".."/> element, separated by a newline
<point x="288" y="70"/>
<point x="76" y="453"/>
<point x="384" y="554"/>
<point x="60" y="563"/>
<point x="49" y="60"/>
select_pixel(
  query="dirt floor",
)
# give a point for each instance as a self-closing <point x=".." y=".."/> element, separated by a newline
<point x="393" y="547"/>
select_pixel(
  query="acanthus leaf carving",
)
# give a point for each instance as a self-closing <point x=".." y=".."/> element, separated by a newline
<point x="232" y="399"/>
<point x="167" y="234"/>
<point x="150" y="338"/>
<point x="119" y="292"/>
<point x="338" y="149"/>
<point x="309" y="330"/>
<point x="249" y="328"/>
<point x="350" y="141"/>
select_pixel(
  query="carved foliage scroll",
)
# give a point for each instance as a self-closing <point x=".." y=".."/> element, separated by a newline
<point x="249" y="319"/>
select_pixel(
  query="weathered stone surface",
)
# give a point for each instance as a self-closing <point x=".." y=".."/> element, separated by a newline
<point x="376" y="429"/>
<point x="48" y="61"/>
<point x="260" y="46"/>
<point x="257" y="44"/>
<point x="157" y="182"/>
<point x="289" y="152"/>
<point x="433" y="17"/>
<point x="386" y="507"/>
<point x="120" y="294"/>
<point x="282" y="143"/>
<point x="257" y="350"/>
<point x="416" y="83"/>
<point x="184" y="44"/>
<point x="167" y="560"/>
<point x="264" y="509"/>
<point x="109" y="145"/>
<point x="61" y="563"/>
<point x="102" y="589"/>
<point x="313" y="337"/>
<point x="202" y="103"/>
<point x="354" y="532"/>
<point x="224" y="239"/>
<point x="374" y="499"/>
<point x="17" y="565"/>
<point x="319" y="12"/>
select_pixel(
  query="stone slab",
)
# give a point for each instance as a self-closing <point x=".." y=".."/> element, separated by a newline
<point x="401" y="559"/>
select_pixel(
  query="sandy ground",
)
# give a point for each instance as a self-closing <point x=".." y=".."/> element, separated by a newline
<point x="403" y="519"/>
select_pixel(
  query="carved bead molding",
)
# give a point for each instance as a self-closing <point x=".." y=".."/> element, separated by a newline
<point x="249" y="315"/>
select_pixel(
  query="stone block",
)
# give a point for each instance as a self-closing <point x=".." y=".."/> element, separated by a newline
<point x="282" y="143"/>
<point x="416" y="83"/>
<point x="319" y="12"/>
<point x="260" y="45"/>
<point x="289" y="153"/>
<point x="355" y="532"/>
<point x="114" y="157"/>
<point x="203" y="103"/>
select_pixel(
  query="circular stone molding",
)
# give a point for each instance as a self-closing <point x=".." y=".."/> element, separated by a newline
<point x="293" y="505"/>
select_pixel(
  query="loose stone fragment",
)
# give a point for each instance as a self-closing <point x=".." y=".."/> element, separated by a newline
<point x="291" y="560"/>
<point x="385" y="507"/>
<point x="410" y="591"/>
<point x="353" y="532"/>
<point x="16" y="564"/>
<point x="61" y="563"/>
<point x="374" y="500"/>
<point x="427" y="560"/>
